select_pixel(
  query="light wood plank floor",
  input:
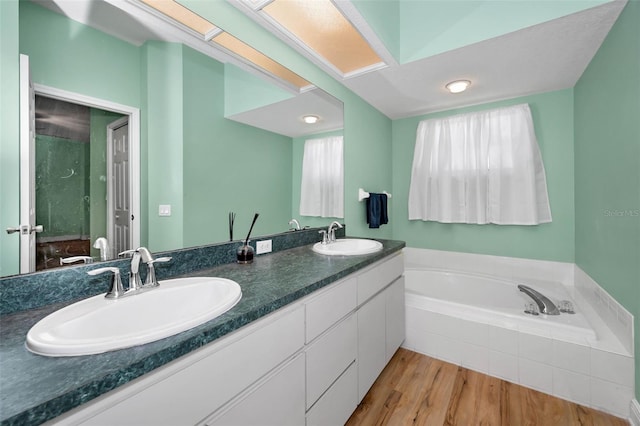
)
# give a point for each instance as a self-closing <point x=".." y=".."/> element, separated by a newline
<point x="415" y="389"/>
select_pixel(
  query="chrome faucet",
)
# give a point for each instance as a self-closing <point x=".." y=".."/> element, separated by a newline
<point x="545" y="305"/>
<point x="296" y="225"/>
<point x="135" y="282"/>
<point x="331" y="231"/>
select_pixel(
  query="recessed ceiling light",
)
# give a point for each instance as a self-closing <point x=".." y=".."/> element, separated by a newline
<point x="310" y="119"/>
<point x="458" y="86"/>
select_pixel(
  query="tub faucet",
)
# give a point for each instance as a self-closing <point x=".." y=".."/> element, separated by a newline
<point x="331" y="232"/>
<point x="545" y="305"/>
<point x="296" y="225"/>
<point x="102" y="244"/>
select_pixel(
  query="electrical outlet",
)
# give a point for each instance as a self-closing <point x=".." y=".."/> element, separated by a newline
<point x="263" y="247"/>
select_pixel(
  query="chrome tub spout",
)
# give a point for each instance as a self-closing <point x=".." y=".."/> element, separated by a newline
<point x="545" y="305"/>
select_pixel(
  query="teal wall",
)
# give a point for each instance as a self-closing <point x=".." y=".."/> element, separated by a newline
<point x="553" y="120"/>
<point x="62" y="187"/>
<point x="607" y="160"/>
<point x="228" y="166"/>
<point x="70" y="56"/>
<point x="164" y="105"/>
<point x="9" y="136"/>
<point x="298" y="155"/>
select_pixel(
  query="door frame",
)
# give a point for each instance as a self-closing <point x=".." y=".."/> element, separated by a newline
<point x="134" y="142"/>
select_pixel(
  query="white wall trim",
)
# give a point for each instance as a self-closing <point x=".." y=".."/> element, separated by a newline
<point x="134" y="141"/>
<point x="634" y="418"/>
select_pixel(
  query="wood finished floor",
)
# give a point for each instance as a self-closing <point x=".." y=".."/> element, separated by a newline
<point x="415" y="389"/>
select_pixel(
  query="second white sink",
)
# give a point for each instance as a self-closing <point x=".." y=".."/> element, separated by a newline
<point x="348" y="247"/>
<point x="97" y="325"/>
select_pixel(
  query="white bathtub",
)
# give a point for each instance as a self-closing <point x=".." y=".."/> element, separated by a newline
<point x="494" y="301"/>
<point x="474" y="319"/>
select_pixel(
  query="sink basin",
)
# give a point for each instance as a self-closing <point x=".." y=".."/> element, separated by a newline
<point x="348" y="247"/>
<point x="97" y="325"/>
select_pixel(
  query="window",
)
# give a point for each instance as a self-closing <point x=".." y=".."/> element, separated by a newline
<point x="482" y="167"/>
<point x="322" y="188"/>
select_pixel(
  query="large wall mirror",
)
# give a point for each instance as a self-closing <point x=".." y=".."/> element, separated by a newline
<point x="219" y="133"/>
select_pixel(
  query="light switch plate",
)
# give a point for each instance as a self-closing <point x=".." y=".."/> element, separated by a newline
<point x="263" y="247"/>
<point x="164" y="210"/>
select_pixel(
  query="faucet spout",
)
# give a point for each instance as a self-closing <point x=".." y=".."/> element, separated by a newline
<point x="331" y="231"/>
<point x="545" y="305"/>
<point x="295" y="223"/>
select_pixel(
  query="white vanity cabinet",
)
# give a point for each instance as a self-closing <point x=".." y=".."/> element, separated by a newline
<point x="380" y="319"/>
<point x="310" y="362"/>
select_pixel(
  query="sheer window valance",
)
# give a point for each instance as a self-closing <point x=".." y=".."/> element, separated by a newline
<point x="482" y="167"/>
<point x="322" y="188"/>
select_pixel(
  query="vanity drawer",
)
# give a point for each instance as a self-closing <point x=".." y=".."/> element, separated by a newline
<point x="327" y="308"/>
<point x="338" y="403"/>
<point x="329" y="356"/>
<point x="277" y="400"/>
<point x="378" y="277"/>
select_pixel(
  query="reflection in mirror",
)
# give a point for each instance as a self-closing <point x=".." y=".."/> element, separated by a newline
<point x="71" y="165"/>
<point x="226" y="166"/>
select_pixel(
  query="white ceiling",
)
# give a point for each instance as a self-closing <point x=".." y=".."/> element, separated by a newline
<point x="545" y="57"/>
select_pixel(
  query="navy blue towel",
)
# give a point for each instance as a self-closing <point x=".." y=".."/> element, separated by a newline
<point x="377" y="210"/>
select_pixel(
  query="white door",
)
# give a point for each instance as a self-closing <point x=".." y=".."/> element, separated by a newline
<point x="28" y="226"/>
<point x="119" y="216"/>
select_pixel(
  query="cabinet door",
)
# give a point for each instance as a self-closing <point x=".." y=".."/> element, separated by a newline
<point x="395" y="316"/>
<point x="371" y="342"/>
<point x="278" y="400"/>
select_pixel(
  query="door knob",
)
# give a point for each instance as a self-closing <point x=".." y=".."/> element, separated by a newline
<point x="12" y="230"/>
<point x="36" y="228"/>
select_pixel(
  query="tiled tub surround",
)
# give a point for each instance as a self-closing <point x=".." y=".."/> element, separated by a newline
<point x="35" y="388"/>
<point x="597" y="373"/>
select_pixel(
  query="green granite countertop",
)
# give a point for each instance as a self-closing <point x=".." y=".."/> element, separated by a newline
<point x="35" y="388"/>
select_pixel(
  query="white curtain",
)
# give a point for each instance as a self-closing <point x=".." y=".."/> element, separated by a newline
<point x="482" y="167"/>
<point x="322" y="189"/>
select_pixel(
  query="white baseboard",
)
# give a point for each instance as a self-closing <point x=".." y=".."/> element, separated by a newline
<point x="634" y="418"/>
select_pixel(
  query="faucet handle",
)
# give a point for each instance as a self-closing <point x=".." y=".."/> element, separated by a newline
<point x="131" y="252"/>
<point x="325" y="237"/>
<point x="151" y="280"/>
<point x="116" y="289"/>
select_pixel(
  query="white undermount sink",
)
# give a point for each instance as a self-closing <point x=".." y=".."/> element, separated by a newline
<point x="97" y="325"/>
<point x="348" y="247"/>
